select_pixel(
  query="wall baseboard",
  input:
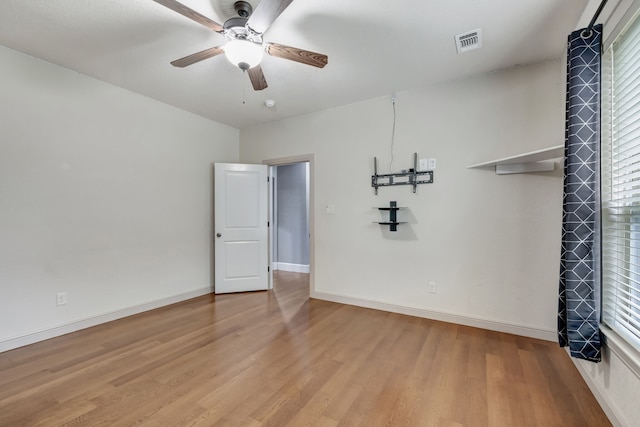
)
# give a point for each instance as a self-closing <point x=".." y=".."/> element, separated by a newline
<point x="547" y="335"/>
<point x="296" y="268"/>
<point x="609" y="409"/>
<point x="56" y="331"/>
<point x="34" y="337"/>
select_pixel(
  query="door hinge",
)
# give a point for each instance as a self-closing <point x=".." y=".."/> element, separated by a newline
<point x="268" y="224"/>
<point x="268" y="179"/>
<point x="268" y="269"/>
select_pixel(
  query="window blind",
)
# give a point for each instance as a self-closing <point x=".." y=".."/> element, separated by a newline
<point x="621" y="185"/>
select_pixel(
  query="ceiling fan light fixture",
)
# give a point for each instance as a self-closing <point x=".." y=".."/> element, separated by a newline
<point x="243" y="53"/>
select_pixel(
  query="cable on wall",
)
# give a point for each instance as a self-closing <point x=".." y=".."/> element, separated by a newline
<point x="393" y="129"/>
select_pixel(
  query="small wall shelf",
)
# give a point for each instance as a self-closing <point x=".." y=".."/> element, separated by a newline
<point x="533" y="161"/>
<point x="393" y="218"/>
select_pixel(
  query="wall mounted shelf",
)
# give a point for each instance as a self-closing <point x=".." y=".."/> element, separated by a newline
<point x="393" y="218"/>
<point x="533" y="161"/>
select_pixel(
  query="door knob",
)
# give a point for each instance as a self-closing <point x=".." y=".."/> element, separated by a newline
<point x="218" y="235"/>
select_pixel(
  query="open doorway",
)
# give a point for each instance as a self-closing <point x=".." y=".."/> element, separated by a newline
<point x="290" y="242"/>
<point x="291" y="216"/>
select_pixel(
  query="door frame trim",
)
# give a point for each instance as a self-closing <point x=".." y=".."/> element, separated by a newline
<point x="281" y="161"/>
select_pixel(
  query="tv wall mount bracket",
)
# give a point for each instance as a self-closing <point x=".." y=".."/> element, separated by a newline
<point x="411" y="177"/>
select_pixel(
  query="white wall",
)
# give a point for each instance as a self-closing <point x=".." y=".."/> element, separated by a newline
<point x="491" y="243"/>
<point x="104" y="194"/>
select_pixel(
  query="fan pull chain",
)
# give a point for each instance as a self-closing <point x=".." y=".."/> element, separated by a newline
<point x="244" y="88"/>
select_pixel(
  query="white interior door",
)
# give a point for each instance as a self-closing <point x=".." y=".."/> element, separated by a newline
<point x="241" y="228"/>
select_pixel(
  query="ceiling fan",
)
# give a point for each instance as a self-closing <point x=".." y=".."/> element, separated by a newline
<point x="244" y="47"/>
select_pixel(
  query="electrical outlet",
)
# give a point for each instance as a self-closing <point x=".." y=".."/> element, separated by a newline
<point x="423" y="165"/>
<point x="61" y="298"/>
<point x="432" y="287"/>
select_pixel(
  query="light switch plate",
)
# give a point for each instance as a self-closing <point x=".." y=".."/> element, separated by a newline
<point x="61" y="298"/>
<point x="432" y="164"/>
<point x="424" y="165"/>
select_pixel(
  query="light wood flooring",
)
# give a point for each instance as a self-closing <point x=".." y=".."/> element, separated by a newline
<point x="280" y="359"/>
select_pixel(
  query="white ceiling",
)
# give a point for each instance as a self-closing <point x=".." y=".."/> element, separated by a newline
<point x="375" y="48"/>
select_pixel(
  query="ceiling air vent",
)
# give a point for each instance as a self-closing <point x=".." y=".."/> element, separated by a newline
<point x="469" y="40"/>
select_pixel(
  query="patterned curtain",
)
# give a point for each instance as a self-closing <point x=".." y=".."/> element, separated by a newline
<point x="579" y="297"/>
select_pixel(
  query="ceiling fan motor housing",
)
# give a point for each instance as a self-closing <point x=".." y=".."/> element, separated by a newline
<point x="236" y="29"/>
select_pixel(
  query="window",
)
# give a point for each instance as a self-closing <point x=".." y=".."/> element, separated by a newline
<point x="621" y="185"/>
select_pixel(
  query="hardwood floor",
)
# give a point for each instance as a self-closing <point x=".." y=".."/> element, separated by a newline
<point x="279" y="359"/>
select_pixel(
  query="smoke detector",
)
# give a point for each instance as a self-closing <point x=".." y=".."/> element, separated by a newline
<point x="469" y="40"/>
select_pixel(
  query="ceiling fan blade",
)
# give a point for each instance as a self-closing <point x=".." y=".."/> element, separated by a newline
<point x="197" y="57"/>
<point x="191" y="14"/>
<point x="265" y="13"/>
<point x="257" y="78"/>
<point x="294" y="54"/>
